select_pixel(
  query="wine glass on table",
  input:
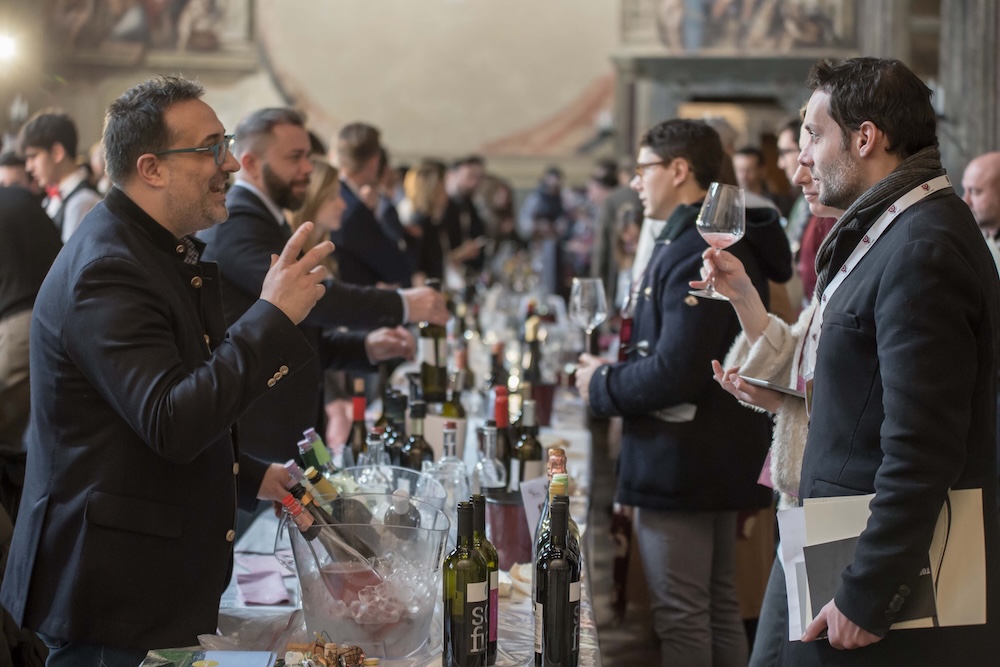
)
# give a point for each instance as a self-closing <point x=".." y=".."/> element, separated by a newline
<point x="721" y="222"/>
<point x="588" y="305"/>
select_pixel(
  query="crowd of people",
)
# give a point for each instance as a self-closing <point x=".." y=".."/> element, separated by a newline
<point x="158" y="366"/>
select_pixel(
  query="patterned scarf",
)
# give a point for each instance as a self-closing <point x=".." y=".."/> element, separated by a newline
<point x="911" y="172"/>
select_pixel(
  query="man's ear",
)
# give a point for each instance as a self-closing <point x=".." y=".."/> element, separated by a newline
<point x="58" y="152"/>
<point x="250" y="164"/>
<point x="680" y="170"/>
<point x="149" y="169"/>
<point x="867" y="138"/>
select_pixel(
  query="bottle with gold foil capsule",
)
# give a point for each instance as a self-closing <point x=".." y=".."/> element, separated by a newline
<point x="526" y="459"/>
<point x="489" y="553"/>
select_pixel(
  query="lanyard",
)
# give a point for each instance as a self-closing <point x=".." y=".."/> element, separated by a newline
<point x="809" y="344"/>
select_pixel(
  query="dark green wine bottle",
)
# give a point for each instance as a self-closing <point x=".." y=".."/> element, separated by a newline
<point x="489" y="552"/>
<point x="417" y="449"/>
<point x="356" y="438"/>
<point x="433" y="358"/>
<point x="526" y="459"/>
<point x="465" y="578"/>
<point x="557" y="598"/>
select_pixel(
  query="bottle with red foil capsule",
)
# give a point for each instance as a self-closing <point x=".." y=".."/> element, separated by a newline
<point x="356" y="439"/>
<point x="501" y="415"/>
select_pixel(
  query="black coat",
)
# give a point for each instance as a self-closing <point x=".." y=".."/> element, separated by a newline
<point x="126" y="524"/>
<point x="30" y="244"/>
<point x="365" y="254"/>
<point x="711" y="462"/>
<point x="904" y="406"/>
<point x="242" y="246"/>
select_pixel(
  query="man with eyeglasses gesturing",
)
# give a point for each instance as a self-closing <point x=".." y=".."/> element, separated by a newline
<point x="124" y="541"/>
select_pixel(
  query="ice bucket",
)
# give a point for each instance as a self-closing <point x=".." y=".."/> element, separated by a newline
<point x="383" y="603"/>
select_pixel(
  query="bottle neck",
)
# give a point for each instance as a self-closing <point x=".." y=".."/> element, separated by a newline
<point x="417" y="427"/>
<point x="360" y="405"/>
<point x="490" y="443"/>
<point x="501" y="414"/>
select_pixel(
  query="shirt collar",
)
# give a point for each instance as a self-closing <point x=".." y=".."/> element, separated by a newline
<point x="682" y="216"/>
<point x="279" y="215"/>
<point x="184" y="249"/>
<point x="70" y="183"/>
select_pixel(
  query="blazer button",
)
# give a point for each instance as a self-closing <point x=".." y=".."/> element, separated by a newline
<point x="196" y="282"/>
<point x="208" y="340"/>
<point x="180" y="249"/>
<point x="271" y="382"/>
<point x="277" y="376"/>
<point x="283" y="369"/>
<point x="904" y="590"/>
<point x="236" y="468"/>
<point x="230" y="535"/>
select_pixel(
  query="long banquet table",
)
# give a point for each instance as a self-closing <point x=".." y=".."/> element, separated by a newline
<point x="270" y="627"/>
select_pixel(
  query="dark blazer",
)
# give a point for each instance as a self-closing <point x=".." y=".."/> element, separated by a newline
<point x="30" y="244"/>
<point x="713" y="461"/>
<point x="126" y="525"/>
<point x="365" y="254"/>
<point x="904" y="406"/>
<point x="461" y="223"/>
<point x="242" y="246"/>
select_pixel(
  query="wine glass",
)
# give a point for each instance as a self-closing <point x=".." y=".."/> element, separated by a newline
<point x="721" y="222"/>
<point x="588" y="305"/>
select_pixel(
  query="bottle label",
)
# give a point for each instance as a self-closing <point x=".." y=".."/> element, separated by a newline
<point x="477" y="616"/>
<point x="494" y="603"/>
<point x="539" y="609"/>
<point x="533" y="470"/>
<point x="574" y="591"/>
<point x="434" y="352"/>
<point x="515" y="475"/>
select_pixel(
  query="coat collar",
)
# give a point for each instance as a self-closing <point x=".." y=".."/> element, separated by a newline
<point x="682" y="217"/>
<point x="122" y="206"/>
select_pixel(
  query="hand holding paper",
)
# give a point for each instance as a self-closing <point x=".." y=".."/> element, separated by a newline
<point x="841" y="631"/>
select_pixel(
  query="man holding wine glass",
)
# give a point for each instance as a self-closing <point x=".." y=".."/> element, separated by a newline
<point x="690" y="455"/>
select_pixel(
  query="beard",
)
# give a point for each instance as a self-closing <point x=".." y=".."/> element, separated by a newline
<point x="281" y="191"/>
<point x="840" y="185"/>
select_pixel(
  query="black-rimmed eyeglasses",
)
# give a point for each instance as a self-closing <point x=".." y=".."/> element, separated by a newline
<point x="219" y="150"/>
<point x="642" y="166"/>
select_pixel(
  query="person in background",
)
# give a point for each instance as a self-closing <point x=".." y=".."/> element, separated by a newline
<point x="49" y="142"/>
<point x="30" y="245"/>
<point x="496" y="197"/>
<point x="602" y="264"/>
<point x="124" y="542"/>
<point x="13" y="173"/>
<point x="690" y="455"/>
<point x="99" y="176"/>
<point x="385" y="208"/>
<point x="365" y="254"/>
<point x="274" y="151"/>
<point x="981" y="192"/>
<point x="430" y="199"/>
<point x="751" y="174"/>
<point x="462" y="222"/>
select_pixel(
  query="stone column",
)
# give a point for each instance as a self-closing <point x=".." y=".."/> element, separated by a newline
<point x="970" y="82"/>
<point x="625" y="84"/>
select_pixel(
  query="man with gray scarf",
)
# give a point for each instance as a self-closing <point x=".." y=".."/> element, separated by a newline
<point x="901" y="362"/>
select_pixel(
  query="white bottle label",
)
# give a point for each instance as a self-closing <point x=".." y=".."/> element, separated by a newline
<point x="539" y="608"/>
<point x="427" y="352"/>
<point x="574" y="591"/>
<point x="477" y="619"/>
<point x="514" y="484"/>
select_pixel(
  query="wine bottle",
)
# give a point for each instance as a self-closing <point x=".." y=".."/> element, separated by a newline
<point x="501" y="415"/>
<point x="466" y="599"/>
<point x="557" y="599"/>
<point x="526" y="459"/>
<point x="556" y="465"/>
<point x="498" y="377"/>
<point x="395" y="430"/>
<point x="356" y="438"/>
<point x="489" y="553"/>
<point x="401" y="514"/>
<point x="302" y="519"/>
<point x="320" y="449"/>
<point x="557" y="493"/>
<point x="433" y="358"/>
<point x="490" y="472"/>
<point x="307" y="454"/>
<point x="531" y="357"/>
<point x="334" y="509"/>
<point x="416" y="450"/>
